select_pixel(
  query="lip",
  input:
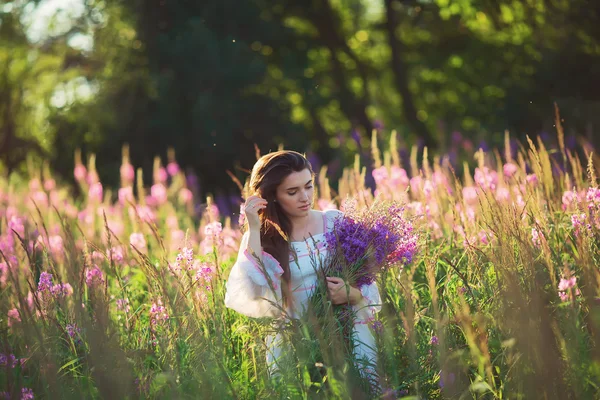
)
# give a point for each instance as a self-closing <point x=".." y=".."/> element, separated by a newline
<point x="306" y="207"/>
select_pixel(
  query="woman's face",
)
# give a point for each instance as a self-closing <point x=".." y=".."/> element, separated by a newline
<point x="295" y="194"/>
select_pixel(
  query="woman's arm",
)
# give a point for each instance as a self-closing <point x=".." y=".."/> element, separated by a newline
<point x="251" y="208"/>
<point x="253" y="287"/>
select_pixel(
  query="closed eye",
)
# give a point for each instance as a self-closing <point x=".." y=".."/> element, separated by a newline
<point x="294" y="192"/>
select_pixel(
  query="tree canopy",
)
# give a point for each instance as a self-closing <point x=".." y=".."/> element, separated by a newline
<point x="211" y="79"/>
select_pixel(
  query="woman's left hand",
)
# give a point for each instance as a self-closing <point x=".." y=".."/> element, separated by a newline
<point x="341" y="293"/>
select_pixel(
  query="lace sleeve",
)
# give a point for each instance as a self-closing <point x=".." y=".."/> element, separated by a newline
<point x="254" y="288"/>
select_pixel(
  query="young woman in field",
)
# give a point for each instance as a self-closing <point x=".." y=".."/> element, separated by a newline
<point x="282" y="187"/>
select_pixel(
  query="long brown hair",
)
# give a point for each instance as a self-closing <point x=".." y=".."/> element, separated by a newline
<point x="267" y="174"/>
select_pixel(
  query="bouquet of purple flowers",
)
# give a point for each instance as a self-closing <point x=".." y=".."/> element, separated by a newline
<point x="364" y="243"/>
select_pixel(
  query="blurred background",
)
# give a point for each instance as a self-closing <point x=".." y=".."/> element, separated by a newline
<point x="210" y="79"/>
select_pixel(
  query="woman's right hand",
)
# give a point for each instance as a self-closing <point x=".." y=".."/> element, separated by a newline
<point x="252" y="206"/>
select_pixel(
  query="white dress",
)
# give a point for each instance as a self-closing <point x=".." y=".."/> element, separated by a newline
<point x="249" y="292"/>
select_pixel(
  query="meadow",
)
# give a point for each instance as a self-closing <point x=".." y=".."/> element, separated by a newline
<point x="121" y="294"/>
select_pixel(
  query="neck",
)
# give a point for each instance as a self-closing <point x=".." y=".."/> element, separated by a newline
<point x="299" y="227"/>
<point x="299" y="222"/>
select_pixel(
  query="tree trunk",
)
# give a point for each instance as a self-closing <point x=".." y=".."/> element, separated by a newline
<point x="401" y="76"/>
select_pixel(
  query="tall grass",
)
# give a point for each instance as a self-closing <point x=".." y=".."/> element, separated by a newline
<point x="501" y="302"/>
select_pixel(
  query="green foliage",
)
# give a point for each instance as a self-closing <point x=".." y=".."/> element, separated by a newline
<point x="213" y="78"/>
<point x="474" y="316"/>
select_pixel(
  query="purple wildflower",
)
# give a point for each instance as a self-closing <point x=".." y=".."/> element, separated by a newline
<point x="94" y="277"/>
<point x="123" y="305"/>
<point x="45" y="282"/>
<point x="158" y="312"/>
<point x="377" y="326"/>
<point x="26" y="394"/>
<point x="61" y="290"/>
<point x="116" y="254"/>
<point x="10" y="361"/>
<point x="72" y="330"/>
<point x="185" y="259"/>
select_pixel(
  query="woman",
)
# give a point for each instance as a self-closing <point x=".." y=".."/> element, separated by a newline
<point x="281" y="204"/>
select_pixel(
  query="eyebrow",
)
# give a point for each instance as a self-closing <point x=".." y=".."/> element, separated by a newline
<point x="296" y="187"/>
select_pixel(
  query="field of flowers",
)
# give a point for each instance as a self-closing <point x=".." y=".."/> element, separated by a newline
<point x="120" y="295"/>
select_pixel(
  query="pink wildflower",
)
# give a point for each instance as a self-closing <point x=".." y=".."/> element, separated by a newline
<point x="95" y="192"/>
<point x="143" y="212"/>
<point x="160" y="175"/>
<point x="13" y="317"/>
<point x="92" y="177"/>
<point x="116" y="254"/>
<point x="399" y="178"/>
<point x="593" y="197"/>
<point x="49" y="184"/>
<point x="502" y="194"/>
<point x="569" y="197"/>
<point x="172" y="168"/>
<point x="510" y="169"/>
<point x="184" y="260"/>
<point x="158" y="313"/>
<point x="185" y="196"/>
<point x="380" y="175"/>
<point x="486" y="178"/>
<point x="138" y="241"/>
<point x="159" y="193"/>
<point x="94" y="277"/>
<point x="40" y="199"/>
<point x="123" y="305"/>
<point x="127" y="172"/>
<point x="16" y="224"/>
<point x="416" y="184"/>
<point x="213" y="229"/>
<point x="326" y="205"/>
<point x="80" y="173"/>
<point x="428" y="188"/>
<point x="578" y="221"/>
<point x="566" y="286"/>
<point x="536" y="237"/>
<point x="126" y="195"/>
<point x="61" y="290"/>
<point x="204" y="274"/>
<point x="532" y="179"/>
<point x="470" y="195"/>
<point x="56" y="245"/>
